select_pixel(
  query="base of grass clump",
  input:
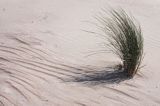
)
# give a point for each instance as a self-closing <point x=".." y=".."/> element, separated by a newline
<point x="125" y="39"/>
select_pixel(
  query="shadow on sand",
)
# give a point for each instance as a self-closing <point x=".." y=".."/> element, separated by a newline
<point x="108" y="76"/>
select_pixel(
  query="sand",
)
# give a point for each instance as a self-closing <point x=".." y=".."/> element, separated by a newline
<point x="44" y="50"/>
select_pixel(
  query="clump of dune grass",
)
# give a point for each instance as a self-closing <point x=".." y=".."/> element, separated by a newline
<point x="125" y="39"/>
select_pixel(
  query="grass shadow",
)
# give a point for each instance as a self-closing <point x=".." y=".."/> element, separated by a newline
<point x="102" y="77"/>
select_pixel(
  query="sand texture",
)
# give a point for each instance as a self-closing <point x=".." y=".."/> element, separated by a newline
<point x="47" y="59"/>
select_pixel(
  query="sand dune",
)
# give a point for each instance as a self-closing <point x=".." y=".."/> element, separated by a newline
<point x="46" y="59"/>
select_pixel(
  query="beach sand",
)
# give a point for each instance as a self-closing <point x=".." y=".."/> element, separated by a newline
<point x="45" y="49"/>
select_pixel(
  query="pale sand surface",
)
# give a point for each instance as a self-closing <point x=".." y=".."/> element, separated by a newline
<point x="43" y="47"/>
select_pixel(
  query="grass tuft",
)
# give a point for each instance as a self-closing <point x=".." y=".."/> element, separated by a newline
<point x="125" y="39"/>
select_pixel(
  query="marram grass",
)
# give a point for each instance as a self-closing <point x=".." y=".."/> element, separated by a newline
<point x="125" y="39"/>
